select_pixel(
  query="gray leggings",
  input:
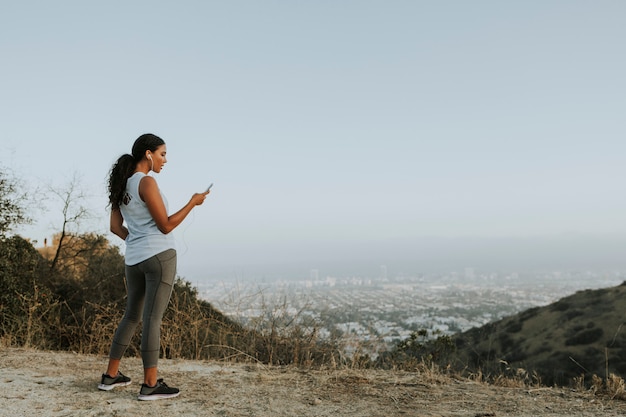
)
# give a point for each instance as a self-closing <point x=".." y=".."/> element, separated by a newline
<point x="149" y="286"/>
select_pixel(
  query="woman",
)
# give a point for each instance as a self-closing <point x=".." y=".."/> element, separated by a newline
<point x="150" y="259"/>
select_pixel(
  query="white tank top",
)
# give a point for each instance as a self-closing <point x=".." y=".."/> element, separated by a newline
<point x="144" y="238"/>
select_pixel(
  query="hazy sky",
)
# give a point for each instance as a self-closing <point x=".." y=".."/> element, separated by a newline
<point x="333" y="130"/>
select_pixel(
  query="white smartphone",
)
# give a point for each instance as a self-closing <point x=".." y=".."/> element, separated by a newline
<point x="209" y="188"/>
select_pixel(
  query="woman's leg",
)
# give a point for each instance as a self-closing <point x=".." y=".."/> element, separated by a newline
<point x="160" y="272"/>
<point x="135" y="284"/>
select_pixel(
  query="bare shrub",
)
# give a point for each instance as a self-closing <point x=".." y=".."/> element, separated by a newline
<point x="578" y="383"/>
<point x="615" y="387"/>
<point x="516" y="377"/>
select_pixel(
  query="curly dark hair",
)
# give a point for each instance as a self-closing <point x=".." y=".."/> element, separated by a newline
<point x="125" y="166"/>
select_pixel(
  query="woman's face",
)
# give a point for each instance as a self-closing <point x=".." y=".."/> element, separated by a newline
<point x="158" y="158"/>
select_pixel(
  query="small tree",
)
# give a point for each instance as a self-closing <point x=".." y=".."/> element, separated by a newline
<point x="12" y="202"/>
<point x="73" y="213"/>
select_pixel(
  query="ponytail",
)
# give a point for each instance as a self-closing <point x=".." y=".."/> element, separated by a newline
<point x="120" y="173"/>
<point x="126" y="164"/>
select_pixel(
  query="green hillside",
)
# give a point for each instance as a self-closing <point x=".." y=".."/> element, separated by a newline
<point x="579" y="335"/>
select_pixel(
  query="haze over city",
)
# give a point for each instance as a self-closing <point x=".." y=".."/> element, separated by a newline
<point x="340" y="136"/>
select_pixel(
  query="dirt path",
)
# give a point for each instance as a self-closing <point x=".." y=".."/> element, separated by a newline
<point x="38" y="383"/>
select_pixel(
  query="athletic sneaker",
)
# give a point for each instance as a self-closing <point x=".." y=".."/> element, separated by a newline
<point x="157" y="392"/>
<point x="108" y="383"/>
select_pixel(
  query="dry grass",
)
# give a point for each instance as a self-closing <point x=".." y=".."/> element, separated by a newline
<point x="189" y="332"/>
<point x="192" y="329"/>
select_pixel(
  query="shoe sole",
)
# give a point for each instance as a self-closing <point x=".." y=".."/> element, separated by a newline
<point x="152" y="397"/>
<point x="105" y="387"/>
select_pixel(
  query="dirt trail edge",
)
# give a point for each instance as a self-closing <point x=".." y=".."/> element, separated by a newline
<point x="42" y="383"/>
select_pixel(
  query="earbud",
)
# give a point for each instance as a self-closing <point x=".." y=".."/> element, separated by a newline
<point x="149" y="157"/>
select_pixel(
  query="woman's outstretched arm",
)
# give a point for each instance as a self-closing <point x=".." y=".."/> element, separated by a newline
<point x="150" y="194"/>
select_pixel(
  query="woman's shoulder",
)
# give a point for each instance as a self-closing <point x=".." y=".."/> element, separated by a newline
<point x="147" y="180"/>
<point x="148" y="186"/>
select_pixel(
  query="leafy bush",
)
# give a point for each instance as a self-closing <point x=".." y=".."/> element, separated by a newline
<point x="514" y="327"/>
<point x="422" y="346"/>
<point x="561" y="305"/>
<point x="528" y="314"/>
<point x="20" y="267"/>
<point x="24" y="301"/>
<point x="506" y="342"/>
<point x="585" y="337"/>
<point x="573" y="314"/>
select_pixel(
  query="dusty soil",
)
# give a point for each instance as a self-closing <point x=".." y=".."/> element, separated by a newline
<point x="40" y="383"/>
